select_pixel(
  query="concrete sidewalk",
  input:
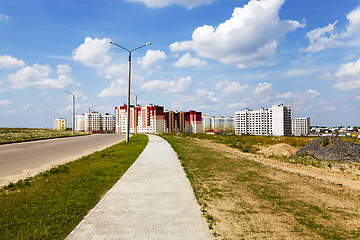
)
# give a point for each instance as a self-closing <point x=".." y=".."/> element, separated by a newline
<point x="152" y="200"/>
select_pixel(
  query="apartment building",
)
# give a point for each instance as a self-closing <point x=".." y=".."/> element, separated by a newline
<point x="225" y="125"/>
<point x="300" y="126"/>
<point x="153" y="119"/>
<point x="60" y="123"/>
<point x="274" y="121"/>
<point x="80" y="123"/>
<point x="95" y="122"/>
<point x="150" y="119"/>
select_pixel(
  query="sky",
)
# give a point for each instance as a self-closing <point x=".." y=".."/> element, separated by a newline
<point x="212" y="56"/>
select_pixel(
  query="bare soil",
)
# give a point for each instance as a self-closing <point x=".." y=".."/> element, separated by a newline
<point x="290" y="201"/>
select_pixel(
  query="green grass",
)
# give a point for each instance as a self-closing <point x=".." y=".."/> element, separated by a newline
<point x="11" y="135"/>
<point x="253" y="189"/>
<point x="247" y="143"/>
<point x="51" y="204"/>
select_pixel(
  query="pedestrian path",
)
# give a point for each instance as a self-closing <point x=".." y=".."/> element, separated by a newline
<point x="152" y="200"/>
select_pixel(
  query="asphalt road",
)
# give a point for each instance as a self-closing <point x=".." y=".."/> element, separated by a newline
<point x="21" y="160"/>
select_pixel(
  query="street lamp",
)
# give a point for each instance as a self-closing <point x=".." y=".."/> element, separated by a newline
<point x="136" y="114"/>
<point x="73" y="112"/>
<point x="128" y="95"/>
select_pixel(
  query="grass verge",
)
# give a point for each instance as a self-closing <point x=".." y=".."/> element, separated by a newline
<point x="12" y="135"/>
<point x="243" y="199"/>
<point x="51" y="204"/>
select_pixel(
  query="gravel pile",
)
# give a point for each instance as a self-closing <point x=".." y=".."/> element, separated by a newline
<point x="331" y="149"/>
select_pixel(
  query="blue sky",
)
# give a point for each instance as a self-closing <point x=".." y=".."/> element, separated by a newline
<point x="213" y="56"/>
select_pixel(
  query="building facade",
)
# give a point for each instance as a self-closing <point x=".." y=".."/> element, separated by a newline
<point x="274" y="121"/>
<point x="153" y="119"/>
<point x="94" y="122"/>
<point x="60" y="123"/>
<point x="225" y="125"/>
<point x="300" y="126"/>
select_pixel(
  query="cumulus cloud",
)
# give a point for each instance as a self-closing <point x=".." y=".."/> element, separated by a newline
<point x="227" y="87"/>
<point x="38" y="76"/>
<point x="354" y="22"/>
<point x="237" y="105"/>
<point x="348" y="76"/>
<point x="187" y="61"/>
<point x="5" y="102"/>
<point x="312" y="93"/>
<point x="262" y="88"/>
<point x="4" y="18"/>
<point x="250" y="36"/>
<point x="189" y="4"/>
<point x="322" y="38"/>
<point x="285" y="96"/>
<point x="206" y="95"/>
<point x="10" y="62"/>
<point x="179" y="86"/>
<point x="93" y="52"/>
<point x="151" y="58"/>
<point x="117" y="88"/>
<point x="327" y="37"/>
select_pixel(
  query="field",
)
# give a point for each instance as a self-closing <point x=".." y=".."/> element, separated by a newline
<point x="51" y="204"/>
<point x="11" y="135"/>
<point x="245" y="195"/>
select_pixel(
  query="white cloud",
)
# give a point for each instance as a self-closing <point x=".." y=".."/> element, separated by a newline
<point x="4" y="18"/>
<point x="18" y="110"/>
<point x="228" y="87"/>
<point x="357" y="98"/>
<point x="238" y="105"/>
<point x="312" y="93"/>
<point x="189" y="4"/>
<point x="117" y="88"/>
<point x="38" y="76"/>
<point x="5" y="102"/>
<point x="354" y="22"/>
<point x="250" y="36"/>
<point x="348" y="76"/>
<point x="327" y="37"/>
<point x="10" y="62"/>
<point x="93" y="52"/>
<point x="204" y="94"/>
<point x="263" y="88"/>
<point x="187" y="61"/>
<point x="179" y="86"/>
<point x="322" y="38"/>
<point x="285" y="96"/>
<point x="151" y="58"/>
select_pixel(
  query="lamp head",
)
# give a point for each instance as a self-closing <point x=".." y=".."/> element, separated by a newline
<point x="149" y="43"/>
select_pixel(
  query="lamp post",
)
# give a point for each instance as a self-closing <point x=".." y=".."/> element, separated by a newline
<point x="136" y="114"/>
<point x="73" y="112"/>
<point x="128" y="95"/>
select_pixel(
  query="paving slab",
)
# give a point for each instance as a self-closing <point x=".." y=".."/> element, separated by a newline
<point x="152" y="200"/>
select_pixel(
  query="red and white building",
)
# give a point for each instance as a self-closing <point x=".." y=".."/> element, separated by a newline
<point x="153" y="119"/>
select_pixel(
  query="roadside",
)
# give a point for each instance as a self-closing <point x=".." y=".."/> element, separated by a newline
<point x="248" y="196"/>
<point x="51" y="204"/>
<point x="21" y="160"/>
<point x="16" y="135"/>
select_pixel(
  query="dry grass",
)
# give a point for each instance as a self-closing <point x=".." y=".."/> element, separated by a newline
<point x="244" y="199"/>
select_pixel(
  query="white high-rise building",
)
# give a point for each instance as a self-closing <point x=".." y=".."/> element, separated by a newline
<point x="273" y="121"/>
<point x="80" y="123"/>
<point x="95" y="122"/>
<point x="300" y="126"/>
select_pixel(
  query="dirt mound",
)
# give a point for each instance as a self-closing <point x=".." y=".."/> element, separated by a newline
<point x="281" y="149"/>
<point x="332" y="149"/>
